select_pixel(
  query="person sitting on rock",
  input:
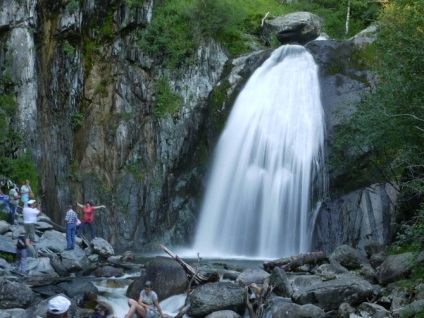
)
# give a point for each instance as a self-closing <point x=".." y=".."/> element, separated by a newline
<point x="147" y="305"/>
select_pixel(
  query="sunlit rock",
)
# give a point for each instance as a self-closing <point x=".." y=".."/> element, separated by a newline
<point x="296" y="27"/>
<point x="102" y="247"/>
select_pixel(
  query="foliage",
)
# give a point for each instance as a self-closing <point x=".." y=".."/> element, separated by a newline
<point x="169" y="34"/>
<point x="385" y="136"/>
<point x="15" y="166"/>
<point x="134" y="3"/>
<point x="69" y="49"/>
<point x="10" y="137"/>
<point x="166" y="101"/>
<point x="137" y="168"/>
<point x="20" y="169"/>
<point x="101" y="88"/>
<point x="77" y="119"/>
<point x="4" y="215"/>
<point x="72" y="6"/>
<point x="10" y="258"/>
<point x="256" y="10"/>
<point x="179" y="26"/>
<point x="333" y="12"/>
<point x="410" y="237"/>
<point x="214" y="18"/>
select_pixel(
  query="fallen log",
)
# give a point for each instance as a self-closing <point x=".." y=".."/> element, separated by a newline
<point x="290" y="263"/>
<point x="187" y="303"/>
<point x="191" y="272"/>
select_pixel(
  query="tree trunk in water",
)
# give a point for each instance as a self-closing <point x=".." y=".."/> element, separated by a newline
<point x="191" y="272"/>
<point x="290" y="263"/>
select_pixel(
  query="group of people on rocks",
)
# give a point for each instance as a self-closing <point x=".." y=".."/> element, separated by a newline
<point x="76" y="227"/>
<point x="58" y="307"/>
<point x="31" y="209"/>
<point x="11" y="202"/>
<point x="147" y="306"/>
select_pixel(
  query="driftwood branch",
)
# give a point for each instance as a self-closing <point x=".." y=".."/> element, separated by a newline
<point x="197" y="278"/>
<point x="186" y="305"/>
<point x="256" y="305"/>
<point x="249" y="304"/>
<point x="290" y="263"/>
<point x="263" y="297"/>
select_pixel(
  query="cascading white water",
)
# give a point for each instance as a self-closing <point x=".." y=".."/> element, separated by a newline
<point x="258" y="198"/>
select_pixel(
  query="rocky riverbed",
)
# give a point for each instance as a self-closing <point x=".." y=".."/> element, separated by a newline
<point x="343" y="284"/>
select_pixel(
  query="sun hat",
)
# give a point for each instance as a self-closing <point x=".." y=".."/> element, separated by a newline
<point x="58" y="305"/>
<point x="31" y="202"/>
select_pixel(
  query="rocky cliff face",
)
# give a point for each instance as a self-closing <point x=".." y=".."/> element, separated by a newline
<point x="85" y="93"/>
<point x="364" y="214"/>
<point x="85" y="101"/>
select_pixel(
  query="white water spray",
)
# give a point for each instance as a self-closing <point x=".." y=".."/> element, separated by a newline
<point x="258" y="199"/>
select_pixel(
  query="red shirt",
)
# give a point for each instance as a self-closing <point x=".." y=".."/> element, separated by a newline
<point x="88" y="214"/>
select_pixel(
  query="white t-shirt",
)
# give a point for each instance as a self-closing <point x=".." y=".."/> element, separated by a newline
<point x="30" y="215"/>
<point x="148" y="299"/>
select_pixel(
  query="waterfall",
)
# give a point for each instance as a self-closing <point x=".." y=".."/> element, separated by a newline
<point x="258" y="200"/>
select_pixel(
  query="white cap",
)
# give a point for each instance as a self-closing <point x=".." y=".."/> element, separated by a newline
<point x="31" y="202"/>
<point x="58" y="305"/>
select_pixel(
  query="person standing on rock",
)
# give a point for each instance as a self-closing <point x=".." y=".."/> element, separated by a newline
<point x="30" y="213"/>
<point x="25" y="192"/>
<point x="147" y="305"/>
<point x="71" y="220"/>
<point x="22" y="242"/>
<point x="88" y="218"/>
<point x="13" y="204"/>
<point x="58" y="307"/>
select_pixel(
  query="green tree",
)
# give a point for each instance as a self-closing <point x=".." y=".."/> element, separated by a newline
<point x="10" y="139"/>
<point x="13" y="163"/>
<point x="385" y="136"/>
<point x="169" y="34"/>
<point x="360" y="14"/>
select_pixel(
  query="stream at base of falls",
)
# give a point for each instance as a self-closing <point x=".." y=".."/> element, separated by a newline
<point x="112" y="291"/>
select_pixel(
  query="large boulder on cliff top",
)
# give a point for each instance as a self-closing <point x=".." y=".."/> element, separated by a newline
<point x="296" y="27"/>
